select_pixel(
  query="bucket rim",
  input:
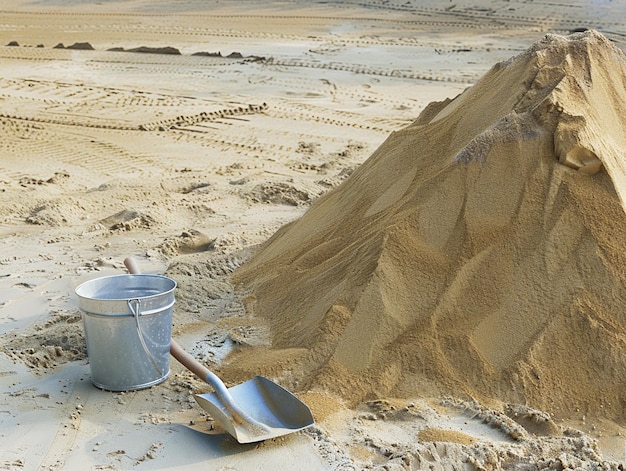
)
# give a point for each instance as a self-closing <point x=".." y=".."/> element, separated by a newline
<point x="83" y="286"/>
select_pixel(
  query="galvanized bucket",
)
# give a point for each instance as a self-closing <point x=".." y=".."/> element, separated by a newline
<point x="128" y="327"/>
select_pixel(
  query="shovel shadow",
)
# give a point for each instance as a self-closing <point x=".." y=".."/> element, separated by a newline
<point x="189" y="448"/>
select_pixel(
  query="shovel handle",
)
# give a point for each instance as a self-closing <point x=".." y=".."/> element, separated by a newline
<point x="189" y="362"/>
<point x="202" y="372"/>
<point x="176" y="350"/>
<point x="238" y="415"/>
<point x="131" y="265"/>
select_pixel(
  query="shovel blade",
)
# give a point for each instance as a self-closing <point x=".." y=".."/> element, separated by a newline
<point x="278" y="410"/>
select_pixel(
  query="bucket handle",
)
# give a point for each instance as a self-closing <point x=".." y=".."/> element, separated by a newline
<point x="135" y="308"/>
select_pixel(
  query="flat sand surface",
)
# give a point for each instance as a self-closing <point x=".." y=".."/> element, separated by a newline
<point x="188" y="161"/>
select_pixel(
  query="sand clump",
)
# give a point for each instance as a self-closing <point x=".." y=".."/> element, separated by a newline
<point x="478" y="252"/>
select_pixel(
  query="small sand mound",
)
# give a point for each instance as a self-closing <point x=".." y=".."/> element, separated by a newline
<point x="127" y="220"/>
<point x="44" y="347"/>
<point x="453" y="436"/>
<point x="478" y="252"/>
<point x="156" y="50"/>
<point x="81" y="47"/>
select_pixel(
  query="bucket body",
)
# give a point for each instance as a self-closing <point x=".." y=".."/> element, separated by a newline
<point x="128" y="327"/>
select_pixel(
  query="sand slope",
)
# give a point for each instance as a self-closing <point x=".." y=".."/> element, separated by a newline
<point x="477" y="251"/>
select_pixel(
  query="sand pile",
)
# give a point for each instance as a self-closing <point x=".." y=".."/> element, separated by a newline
<point x="478" y="252"/>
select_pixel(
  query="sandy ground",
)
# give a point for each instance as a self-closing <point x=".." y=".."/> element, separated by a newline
<point x="188" y="161"/>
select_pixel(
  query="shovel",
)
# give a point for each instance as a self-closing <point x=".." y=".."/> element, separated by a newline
<point x="252" y="411"/>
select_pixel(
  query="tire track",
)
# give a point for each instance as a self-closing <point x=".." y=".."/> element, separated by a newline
<point x="480" y="14"/>
<point x="73" y="150"/>
<point x="422" y="16"/>
<point x="177" y="66"/>
<point x="334" y="118"/>
<point x="467" y="19"/>
<point x="250" y="141"/>
<point x="190" y="120"/>
<point x="467" y="78"/>
<point x="111" y="159"/>
<point x="118" y="109"/>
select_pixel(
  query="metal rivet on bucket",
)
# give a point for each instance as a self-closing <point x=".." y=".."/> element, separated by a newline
<point x="128" y="327"/>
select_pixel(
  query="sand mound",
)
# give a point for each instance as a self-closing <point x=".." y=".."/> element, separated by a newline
<point x="478" y="252"/>
<point x="149" y="50"/>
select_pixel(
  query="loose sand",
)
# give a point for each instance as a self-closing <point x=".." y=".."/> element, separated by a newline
<point x="411" y="214"/>
<point x="478" y="250"/>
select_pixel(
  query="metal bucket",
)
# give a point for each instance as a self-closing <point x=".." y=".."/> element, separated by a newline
<point x="128" y="327"/>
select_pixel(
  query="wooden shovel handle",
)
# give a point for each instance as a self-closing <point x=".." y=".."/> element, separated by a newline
<point x="188" y="361"/>
<point x="176" y="350"/>
<point x="238" y="415"/>
<point x="131" y="265"/>
<point x="201" y="371"/>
